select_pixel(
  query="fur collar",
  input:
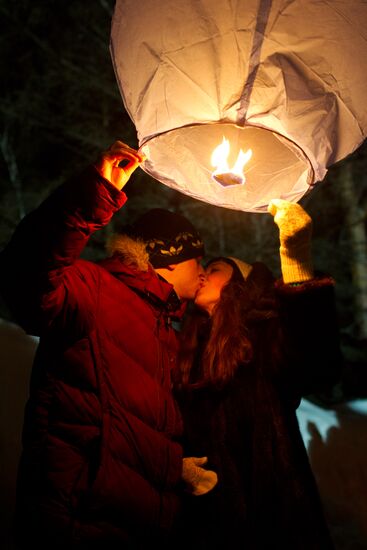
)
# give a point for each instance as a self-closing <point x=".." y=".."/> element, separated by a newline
<point x="132" y="252"/>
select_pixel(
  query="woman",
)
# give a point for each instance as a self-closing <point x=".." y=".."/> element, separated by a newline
<point x="251" y="349"/>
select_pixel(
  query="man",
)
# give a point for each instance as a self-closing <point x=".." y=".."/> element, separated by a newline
<point x="101" y="464"/>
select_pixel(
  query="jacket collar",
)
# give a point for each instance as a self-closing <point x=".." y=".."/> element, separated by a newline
<point x="147" y="284"/>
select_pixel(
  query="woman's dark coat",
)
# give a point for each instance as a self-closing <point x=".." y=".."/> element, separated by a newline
<point x="100" y="461"/>
<point x="266" y="496"/>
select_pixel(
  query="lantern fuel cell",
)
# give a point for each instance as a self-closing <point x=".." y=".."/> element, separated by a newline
<point x="223" y="174"/>
<point x="228" y="178"/>
<point x="269" y="76"/>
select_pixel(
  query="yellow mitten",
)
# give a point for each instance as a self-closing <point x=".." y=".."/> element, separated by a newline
<point x="295" y="231"/>
<point x="198" y="480"/>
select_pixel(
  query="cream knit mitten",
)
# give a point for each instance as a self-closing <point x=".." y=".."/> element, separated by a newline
<point x="295" y="231"/>
<point x="198" y="480"/>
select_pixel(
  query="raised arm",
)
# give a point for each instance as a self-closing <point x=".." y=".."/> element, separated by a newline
<point x="307" y="306"/>
<point x="34" y="265"/>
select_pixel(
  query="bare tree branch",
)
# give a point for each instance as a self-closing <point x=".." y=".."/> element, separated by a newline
<point x="12" y="165"/>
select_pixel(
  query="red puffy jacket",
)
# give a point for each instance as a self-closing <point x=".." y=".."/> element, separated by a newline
<point x="100" y="461"/>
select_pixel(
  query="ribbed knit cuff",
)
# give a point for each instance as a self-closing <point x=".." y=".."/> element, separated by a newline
<point x="296" y="264"/>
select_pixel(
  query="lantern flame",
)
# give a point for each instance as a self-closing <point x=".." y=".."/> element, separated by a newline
<point x="223" y="174"/>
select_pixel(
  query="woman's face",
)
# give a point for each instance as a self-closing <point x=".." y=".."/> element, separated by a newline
<point x="217" y="275"/>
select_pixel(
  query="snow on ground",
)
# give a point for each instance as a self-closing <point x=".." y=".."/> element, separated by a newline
<point x="16" y="356"/>
<point x="336" y="440"/>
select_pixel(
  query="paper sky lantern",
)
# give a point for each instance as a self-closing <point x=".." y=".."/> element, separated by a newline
<point x="280" y="86"/>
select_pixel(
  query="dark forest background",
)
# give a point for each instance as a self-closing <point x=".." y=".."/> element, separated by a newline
<point x="60" y="107"/>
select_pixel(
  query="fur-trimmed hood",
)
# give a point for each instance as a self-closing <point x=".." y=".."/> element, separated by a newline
<point x="131" y="251"/>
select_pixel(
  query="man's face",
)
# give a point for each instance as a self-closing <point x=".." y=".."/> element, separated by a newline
<point x="188" y="276"/>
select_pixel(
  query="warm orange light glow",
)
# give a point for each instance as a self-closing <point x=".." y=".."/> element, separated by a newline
<point x="223" y="174"/>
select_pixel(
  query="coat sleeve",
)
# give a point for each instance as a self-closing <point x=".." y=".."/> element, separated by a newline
<point x="40" y="257"/>
<point x="311" y="336"/>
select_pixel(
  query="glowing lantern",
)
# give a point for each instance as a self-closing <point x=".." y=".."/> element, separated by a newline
<point x="286" y="80"/>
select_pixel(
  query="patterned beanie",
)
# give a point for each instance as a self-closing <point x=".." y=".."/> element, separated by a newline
<point x="170" y="238"/>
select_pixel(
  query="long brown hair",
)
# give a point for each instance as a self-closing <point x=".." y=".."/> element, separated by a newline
<point x="213" y="347"/>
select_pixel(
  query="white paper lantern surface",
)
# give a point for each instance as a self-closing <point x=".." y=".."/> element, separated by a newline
<point x="287" y="80"/>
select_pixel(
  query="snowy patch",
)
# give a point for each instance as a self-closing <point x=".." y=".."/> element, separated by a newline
<point x="323" y="419"/>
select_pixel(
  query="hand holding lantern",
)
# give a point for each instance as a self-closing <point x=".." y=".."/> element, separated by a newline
<point x="295" y="230"/>
<point x="108" y="164"/>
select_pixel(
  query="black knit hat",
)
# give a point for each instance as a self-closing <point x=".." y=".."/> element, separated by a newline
<point x="170" y="238"/>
